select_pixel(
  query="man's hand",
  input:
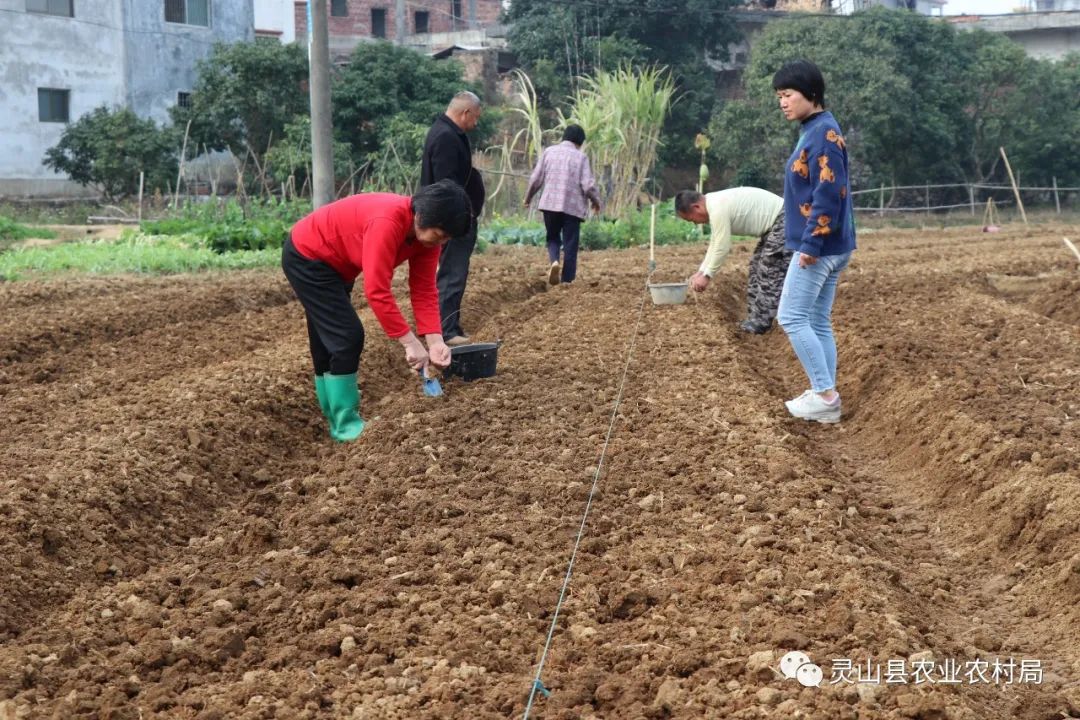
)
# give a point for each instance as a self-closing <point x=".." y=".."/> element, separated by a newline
<point x="595" y="207"/>
<point x="699" y="281"/>
<point x="415" y="354"/>
<point x="806" y="260"/>
<point x="438" y="351"/>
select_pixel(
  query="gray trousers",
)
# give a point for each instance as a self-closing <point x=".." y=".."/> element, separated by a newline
<point x="768" y="266"/>
<point x="450" y="280"/>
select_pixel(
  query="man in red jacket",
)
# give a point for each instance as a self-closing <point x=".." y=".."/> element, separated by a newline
<point x="370" y="234"/>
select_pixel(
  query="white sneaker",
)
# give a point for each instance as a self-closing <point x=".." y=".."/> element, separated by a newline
<point x="554" y="273"/>
<point x="800" y="397"/>
<point x="797" y="399"/>
<point x="810" y="406"/>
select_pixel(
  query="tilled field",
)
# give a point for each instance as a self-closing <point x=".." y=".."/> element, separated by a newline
<point x="179" y="538"/>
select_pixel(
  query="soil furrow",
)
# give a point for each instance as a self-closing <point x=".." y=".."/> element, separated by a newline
<point x="228" y="561"/>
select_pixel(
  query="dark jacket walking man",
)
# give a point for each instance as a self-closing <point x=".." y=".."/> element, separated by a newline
<point x="448" y="154"/>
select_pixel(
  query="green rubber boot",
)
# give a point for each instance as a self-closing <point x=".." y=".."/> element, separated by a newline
<point x="320" y="393"/>
<point x="343" y="403"/>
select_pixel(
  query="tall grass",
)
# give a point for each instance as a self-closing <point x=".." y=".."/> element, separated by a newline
<point x="51" y="213"/>
<point x="528" y="109"/>
<point x="141" y="254"/>
<point x="523" y="142"/>
<point x="11" y="231"/>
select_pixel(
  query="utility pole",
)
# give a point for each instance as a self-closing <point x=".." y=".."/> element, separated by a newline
<point x="400" y="22"/>
<point x="322" y="152"/>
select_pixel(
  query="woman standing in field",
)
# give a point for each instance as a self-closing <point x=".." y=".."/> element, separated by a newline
<point x="820" y="230"/>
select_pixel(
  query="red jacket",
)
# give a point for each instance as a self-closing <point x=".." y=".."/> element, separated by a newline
<point x="370" y="234"/>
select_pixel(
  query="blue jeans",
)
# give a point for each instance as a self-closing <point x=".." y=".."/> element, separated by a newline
<point x="805" y="313"/>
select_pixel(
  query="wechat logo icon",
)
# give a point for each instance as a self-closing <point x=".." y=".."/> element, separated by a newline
<point x="797" y="666"/>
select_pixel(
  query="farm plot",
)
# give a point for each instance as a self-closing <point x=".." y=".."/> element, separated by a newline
<point x="180" y="539"/>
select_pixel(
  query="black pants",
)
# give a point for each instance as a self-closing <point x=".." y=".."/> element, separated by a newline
<point x="335" y="333"/>
<point x="453" y="272"/>
<point x="564" y="230"/>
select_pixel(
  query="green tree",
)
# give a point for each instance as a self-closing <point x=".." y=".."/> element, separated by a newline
<point x="385" y="85"/>
<point x="244" y="96"/>
<point x="1028" y="106"/>
<point x="557" y="42"/>
<point x="291" y="155"/>
<point x="889" y="80"/>
<point x="395" y="166"/>
<point x="996" y="98"/>
<point x="107" y="149"/>
<point x="1046" y="141"/>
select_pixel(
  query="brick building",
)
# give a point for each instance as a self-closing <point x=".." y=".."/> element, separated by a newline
<point x="354" y="21"/>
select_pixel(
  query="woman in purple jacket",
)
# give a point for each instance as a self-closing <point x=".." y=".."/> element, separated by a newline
<point x="567" y="180"/>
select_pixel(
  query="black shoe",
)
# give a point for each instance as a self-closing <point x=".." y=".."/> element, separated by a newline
<point x="754" y="328"/>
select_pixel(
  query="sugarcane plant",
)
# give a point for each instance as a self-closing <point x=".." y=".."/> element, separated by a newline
<point x="527" y="107"/>
<point x="622" y="113"/>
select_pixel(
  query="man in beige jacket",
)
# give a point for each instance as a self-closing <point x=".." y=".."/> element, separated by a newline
<point x="742" y="211"/>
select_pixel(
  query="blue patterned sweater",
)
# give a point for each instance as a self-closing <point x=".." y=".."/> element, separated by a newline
<point x="818" y="217"/>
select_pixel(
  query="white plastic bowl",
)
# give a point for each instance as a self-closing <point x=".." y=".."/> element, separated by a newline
<point x="669" y="293"/>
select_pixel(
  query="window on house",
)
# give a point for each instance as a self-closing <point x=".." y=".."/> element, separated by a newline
<point x="183" y="99"/>
<point x="188" y="12"/>
<point x="378" y="22"/>
<point x="421" y="21"/>
<point x="53" y="105"/>
<point x="339" y="8"/>
<point x="455" y="11"/>
<point x="63" y="8"/>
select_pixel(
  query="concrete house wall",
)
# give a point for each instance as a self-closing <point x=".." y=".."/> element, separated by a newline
<point x="275" y="18"/>
<point x="161" y="56"/>
<point x="84" y="55"/>
<point x="112" y="52"/>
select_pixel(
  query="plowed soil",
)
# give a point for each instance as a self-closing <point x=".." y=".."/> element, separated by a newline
<point x="179" y="537"/>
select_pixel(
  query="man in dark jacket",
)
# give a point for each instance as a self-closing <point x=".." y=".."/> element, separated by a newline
<point x="448" y="154"/>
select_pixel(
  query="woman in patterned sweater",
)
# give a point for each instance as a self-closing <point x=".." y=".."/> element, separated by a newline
<point x="820" y="230"/>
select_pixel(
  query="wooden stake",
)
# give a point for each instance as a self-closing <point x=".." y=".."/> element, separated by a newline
<point x="180" y="169"/>
<point x="1057" y="200"/>
<point x="1069" y="244"/>
<point x="881" y="201"/>
<point x="142" y="176"/>
<point x="652" y="237"/>
<point x="1016" y="190"/>
<point x="971" y="199"/>
<point x="989" y="213"/>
